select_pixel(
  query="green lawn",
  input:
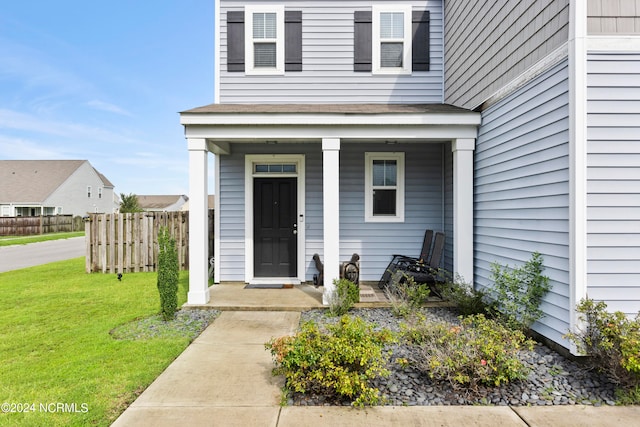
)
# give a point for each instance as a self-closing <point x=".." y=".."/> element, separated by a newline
<point x="55" y="346"/>
<point x="23" y="240"/>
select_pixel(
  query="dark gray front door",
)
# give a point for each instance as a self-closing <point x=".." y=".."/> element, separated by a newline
<point x="274" y="227"/>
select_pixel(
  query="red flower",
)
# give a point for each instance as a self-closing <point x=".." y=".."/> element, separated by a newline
<point x="483" y="362"/>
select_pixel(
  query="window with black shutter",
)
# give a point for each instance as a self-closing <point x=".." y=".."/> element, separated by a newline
<point x="264" y="40"/>
<point x="391" y="39"/>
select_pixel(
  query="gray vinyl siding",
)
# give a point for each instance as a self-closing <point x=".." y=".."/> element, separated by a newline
<point x="613" y="17"/>
<point x="613" y="180"/>
<point x="327" y="74"/>
<point x="489" y="43"/>
<point x="374" y="242"/>
<point x="521" y="190"/>
<point x="424" y="206"/>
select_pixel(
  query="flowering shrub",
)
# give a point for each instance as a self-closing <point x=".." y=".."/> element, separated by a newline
<point x="478" y="351"/>
<point x="339" y="362"/>
<point x="612" y="340"/>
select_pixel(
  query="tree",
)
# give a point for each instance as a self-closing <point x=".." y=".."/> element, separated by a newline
<point x="129" y="204"/>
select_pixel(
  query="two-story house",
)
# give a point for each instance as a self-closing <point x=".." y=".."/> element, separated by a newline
<point x="53" y="187"/>
<point x="353" y="126"/>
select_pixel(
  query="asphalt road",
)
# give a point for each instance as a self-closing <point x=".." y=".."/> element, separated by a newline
<point x="22" y="256"/>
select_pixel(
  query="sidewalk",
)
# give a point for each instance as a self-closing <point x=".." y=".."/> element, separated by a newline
<point x="224" y="379"/>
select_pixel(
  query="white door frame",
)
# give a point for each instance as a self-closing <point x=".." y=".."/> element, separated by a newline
<point x="299" y="161"/>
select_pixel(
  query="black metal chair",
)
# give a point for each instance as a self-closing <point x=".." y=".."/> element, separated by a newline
<point x="402" y="260"/>
<point x="427" y="272"/>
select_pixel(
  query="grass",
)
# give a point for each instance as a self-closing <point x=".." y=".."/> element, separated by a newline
<point x="56" y="347"/>
<point x="23" y="240"/>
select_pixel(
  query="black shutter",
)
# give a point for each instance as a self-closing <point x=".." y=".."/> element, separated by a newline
<point x="293" y="40"/>
<point x="420" y="43"/>
<point x="362" y="41"/>
<point x="235" y="41"/>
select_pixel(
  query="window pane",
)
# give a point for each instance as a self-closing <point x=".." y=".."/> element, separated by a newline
<point x="391" y="55"/>
<point x="384" y="173"/>
<point x="391" y="25"/>
<point x="264" y="55"/>
<point x="384" y="202"/>
<point x="264" y="25"/>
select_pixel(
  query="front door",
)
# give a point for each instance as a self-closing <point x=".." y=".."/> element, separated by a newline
<point x="274" y="227"/>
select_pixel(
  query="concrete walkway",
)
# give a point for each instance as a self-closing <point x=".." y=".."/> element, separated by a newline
<point x="224" y="379"/>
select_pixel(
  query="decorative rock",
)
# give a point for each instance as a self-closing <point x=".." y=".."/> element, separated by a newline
<point x="553" y="380"/>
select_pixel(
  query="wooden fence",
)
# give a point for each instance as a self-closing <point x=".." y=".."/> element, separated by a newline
<point x="127" y="243"/>
<point x="31" y="225"/>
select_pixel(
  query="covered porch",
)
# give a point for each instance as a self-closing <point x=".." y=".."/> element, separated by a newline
<point x="321" y="156"/>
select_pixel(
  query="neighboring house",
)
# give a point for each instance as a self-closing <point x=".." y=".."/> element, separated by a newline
<point x="162" y="203"/>
<point x="353" y="126"/>
<point x="211" y="202"/>
<point x="53" y="187"/>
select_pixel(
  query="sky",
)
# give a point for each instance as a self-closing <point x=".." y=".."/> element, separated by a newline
<point x="104" y="81"/>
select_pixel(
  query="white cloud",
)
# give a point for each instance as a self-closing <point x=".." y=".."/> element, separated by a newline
<point x="110" y="108"/>
<point x="20" y="149"/>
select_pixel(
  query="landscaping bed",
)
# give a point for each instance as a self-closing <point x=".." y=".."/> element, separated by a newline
<point x="552" y="379"/>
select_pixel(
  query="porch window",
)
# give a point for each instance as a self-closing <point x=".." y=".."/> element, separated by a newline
<point x="384" y="187"/>
<point x="265" y="40"/>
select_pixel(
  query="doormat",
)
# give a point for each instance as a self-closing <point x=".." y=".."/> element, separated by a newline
<point x="368" y="295"/>
<point x="264" y="286"/>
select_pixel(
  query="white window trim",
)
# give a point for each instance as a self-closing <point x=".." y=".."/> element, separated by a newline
<point x="249" y="41"/>
<point x="406" y="42"/>
<point x="368" y="187"/>
<point x="88" y="191"/>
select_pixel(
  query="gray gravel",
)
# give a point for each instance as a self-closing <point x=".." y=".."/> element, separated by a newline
<point x="187" y="323"/>
<point x="553" y="380"/>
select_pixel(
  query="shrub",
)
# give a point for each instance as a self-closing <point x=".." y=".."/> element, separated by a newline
<point x="344" y="297"/>
<point x="405" y="295"/>
<point x="168" y="274"/>
<point x="340" y="362"/>
<point x="468" y="300"/>
<point x="612" y="342"/>
<point x="478" y="351"/>
<point x="518" y="292"/>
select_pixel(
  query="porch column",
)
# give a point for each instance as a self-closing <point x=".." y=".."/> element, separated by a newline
<point x="463" y="207"/>
<point x="331" y="213"/>
<point x="198" y="222"/>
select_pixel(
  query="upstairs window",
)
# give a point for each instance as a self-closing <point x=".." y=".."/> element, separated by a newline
<point x="264" y="40"/>
<point x="391" y="39"/>
<point x="89" y="191"/>
<point x="99" y="192"/>
<point x="265" y="36"/>
<point x="384" y="187"/>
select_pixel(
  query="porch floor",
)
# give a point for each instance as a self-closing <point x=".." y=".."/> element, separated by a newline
<point x="234" y="297"/>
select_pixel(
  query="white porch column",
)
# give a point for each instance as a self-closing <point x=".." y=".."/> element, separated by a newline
<point x="463" y="207"/>
<point x="198" y="222"/>
<point x="331" y="213"/>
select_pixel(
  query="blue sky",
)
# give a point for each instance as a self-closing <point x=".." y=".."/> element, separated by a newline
<point x="104" y="80"/>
